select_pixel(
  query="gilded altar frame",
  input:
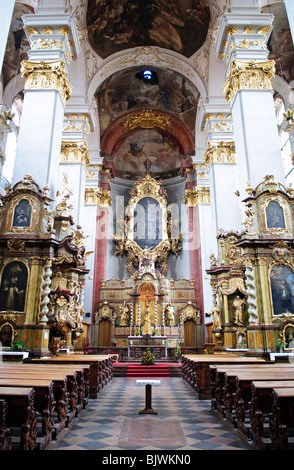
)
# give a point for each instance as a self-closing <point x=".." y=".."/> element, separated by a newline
<point x="148" y="188"/>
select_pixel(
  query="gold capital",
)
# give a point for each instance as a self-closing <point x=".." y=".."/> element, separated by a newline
<point x="47" y="76"/>
<point x="248" y="76"/>
<point x="75" y="152"/>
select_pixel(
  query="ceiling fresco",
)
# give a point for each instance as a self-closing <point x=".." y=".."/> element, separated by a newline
<point x="156" y="148"/>
<point x="280" y="43"/>
<point x="147" y="151"/>
<point x="178" y="25"/>
<point x="126" y="91"/>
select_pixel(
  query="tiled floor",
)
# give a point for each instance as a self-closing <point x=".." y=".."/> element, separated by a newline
<point x="112" y="421"/>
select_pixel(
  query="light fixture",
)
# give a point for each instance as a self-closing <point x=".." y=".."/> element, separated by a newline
<point x="147" y="74"/>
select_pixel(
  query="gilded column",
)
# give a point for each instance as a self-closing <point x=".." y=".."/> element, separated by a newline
<point x="53" y="45"/>
<point x="242" y="44"/>
<point x="34" y="291"/>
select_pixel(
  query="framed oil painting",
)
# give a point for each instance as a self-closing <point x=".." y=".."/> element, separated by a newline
<point x="282" y="285"/>
<point x="13" y="287"/>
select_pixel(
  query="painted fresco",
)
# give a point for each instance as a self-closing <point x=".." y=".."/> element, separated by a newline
<point x="179" y="25"/>
<point x="125" y="91"/>
<point x="280" y="43"/>
<point x="147" y="151"/>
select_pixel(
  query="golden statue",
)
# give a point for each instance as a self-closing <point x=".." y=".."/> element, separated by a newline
<point x="238" y="306"/>
<point x="147" y="324"/>
<point x="216" y="316"/>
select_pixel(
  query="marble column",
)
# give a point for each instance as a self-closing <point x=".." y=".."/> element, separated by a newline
<point x="242" y="44"/>
<point x="219" y="166"/>
<point x="53" y="44"/>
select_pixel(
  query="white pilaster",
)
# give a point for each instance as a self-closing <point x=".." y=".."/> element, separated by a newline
<point x="242" y="44"/>
<point x="54" y="43"/>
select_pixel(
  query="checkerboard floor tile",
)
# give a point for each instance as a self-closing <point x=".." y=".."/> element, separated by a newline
<point x="112" y="421"/>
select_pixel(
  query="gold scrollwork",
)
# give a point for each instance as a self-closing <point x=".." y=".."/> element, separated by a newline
<point x="147" y="119"/>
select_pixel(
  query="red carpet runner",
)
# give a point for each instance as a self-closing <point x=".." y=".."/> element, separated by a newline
<point x="137" y="371"/>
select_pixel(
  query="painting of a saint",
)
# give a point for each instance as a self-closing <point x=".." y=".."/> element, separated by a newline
<point x="282" y="285"/>
<point x="22" y="214"/>
<point x="148" y="223"/>
<point x="13" y="287"/>
<point x="275" y="215"/>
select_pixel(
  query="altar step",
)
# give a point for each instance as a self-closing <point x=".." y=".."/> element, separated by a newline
<point x="136" y="370"/>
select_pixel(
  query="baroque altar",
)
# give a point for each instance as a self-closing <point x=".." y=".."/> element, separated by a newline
<point x="146" y="308"/>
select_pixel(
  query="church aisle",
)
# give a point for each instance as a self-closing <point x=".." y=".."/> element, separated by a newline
<point x="112" y="422"/>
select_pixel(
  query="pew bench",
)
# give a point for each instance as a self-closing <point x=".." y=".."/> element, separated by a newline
<point x="236" y="394"/>
<point x="21" y="417"/>
<point x="5" y="432"/>
<point x="260" y="408"/>
<point x="281" y="422"/>
<point x="196" y="370"/>
<point x="100" y="373"/>
<point x="70" y="388"/>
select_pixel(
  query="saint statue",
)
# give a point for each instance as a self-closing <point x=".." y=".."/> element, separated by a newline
<point x="124" y="314"/>
<point x="169" y="315"/>
<point x="238" y="306"/>
<point x="147" y="324"/>
<point x="216" y="316"/>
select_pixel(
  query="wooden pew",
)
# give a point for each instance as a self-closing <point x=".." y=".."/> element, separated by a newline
<point x="82" y="370"/>
<point x="237" y="395"/>
<point x="196" y="370"/>
<point x="217" y="380"/>
<point x="5" y="432"/>
<point x="260" y="407"/>
<point x="281" y="422"/>
<point x="70" y="391"/>
<point x="53" y="407"/>
<point x="21" y="416"/>
<point x="101" y="368"/>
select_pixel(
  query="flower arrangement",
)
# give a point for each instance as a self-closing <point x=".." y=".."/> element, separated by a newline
<point x="155" y="331"/>
<point x="147" y="357"/>
<point x="178" y="351"/>
<point x="139" y="332"/>
<point x="280" y="344"/>
<point x="17" y="344"/>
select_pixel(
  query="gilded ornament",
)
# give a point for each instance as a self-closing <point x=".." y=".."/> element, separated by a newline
<point x="147" y="119"/>
<point x="248" y="76"/>
<point x="48" y="76"/>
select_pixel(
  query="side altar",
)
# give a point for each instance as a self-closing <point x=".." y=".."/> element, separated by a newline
<point x="147" y="308"/>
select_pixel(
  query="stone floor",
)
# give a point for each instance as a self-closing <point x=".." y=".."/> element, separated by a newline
<point x="112" y="421"/>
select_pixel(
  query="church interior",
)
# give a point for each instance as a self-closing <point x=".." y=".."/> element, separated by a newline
<point x="146" y="219"/>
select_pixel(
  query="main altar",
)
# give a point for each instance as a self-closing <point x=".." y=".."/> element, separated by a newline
<point x="147" y="308"/>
